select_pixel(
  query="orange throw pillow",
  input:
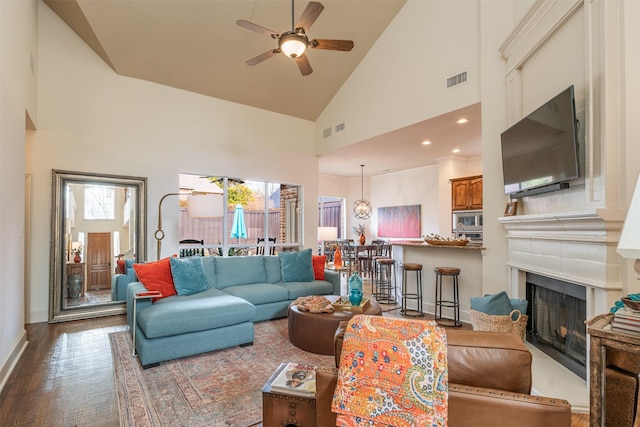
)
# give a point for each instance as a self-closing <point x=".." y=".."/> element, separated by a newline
<point x="318" y="266"/>
<point x="156" y="276"/>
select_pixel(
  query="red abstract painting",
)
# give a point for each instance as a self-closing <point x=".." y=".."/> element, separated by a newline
<point x="399" y="221"/>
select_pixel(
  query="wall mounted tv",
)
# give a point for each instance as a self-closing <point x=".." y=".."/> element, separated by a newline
<point x="540" y="152"/>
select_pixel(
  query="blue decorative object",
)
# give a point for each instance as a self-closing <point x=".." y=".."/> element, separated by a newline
<point x="355" y="297"/>
<point x="355" y="282"/>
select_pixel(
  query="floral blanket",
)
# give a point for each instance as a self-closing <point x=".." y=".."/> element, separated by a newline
<point x="393" y="372"/>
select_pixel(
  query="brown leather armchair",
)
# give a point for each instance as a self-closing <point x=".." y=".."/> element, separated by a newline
<point x="489" y="384"/>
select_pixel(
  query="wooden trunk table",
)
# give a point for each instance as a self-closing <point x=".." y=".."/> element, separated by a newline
<point x="285" y="410"/>
<point x="608" y="348"/>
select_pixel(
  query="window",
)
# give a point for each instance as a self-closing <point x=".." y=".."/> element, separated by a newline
<point x="99" y="202"/>
<point x="270" y="212"/>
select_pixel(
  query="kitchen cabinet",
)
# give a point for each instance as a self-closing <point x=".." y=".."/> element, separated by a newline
<point x="466" y="193"/>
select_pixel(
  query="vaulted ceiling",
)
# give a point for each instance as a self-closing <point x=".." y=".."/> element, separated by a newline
<point x="196" y="45"/>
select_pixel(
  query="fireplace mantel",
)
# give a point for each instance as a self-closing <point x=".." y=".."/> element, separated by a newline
<point x="576" y="246"/>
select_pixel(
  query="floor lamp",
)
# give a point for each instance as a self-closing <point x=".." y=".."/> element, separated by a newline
<point x="198" y="206"/>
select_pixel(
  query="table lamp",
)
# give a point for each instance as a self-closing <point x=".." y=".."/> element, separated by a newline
<point x="326" y="233"/>
<point x="629" y="244"/>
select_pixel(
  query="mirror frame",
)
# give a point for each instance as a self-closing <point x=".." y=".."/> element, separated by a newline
<point x="59" y="178"/>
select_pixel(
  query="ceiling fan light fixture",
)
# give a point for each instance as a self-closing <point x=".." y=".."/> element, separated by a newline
<point x="293" y="44"/>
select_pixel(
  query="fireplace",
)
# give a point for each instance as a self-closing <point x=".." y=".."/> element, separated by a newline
<point x="557" y="312"/>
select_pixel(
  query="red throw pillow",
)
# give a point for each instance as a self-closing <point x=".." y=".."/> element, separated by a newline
<point x="318" y="266"/>
<point x="156" y="276"/>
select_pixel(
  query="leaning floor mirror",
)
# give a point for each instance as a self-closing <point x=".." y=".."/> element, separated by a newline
<point x="98" y="222"/>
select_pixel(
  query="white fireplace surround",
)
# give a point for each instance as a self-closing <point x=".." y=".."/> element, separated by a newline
<point x="578" y="247"/>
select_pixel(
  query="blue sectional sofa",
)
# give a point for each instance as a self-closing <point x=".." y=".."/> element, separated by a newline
<point x="233" y="293"/>
<point x="119" y="282"/>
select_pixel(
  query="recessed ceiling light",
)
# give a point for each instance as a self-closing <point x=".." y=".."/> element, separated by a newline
<point x="462" y="121"/>
<point x="455" y="150"/>
<point x="426" y="142"/>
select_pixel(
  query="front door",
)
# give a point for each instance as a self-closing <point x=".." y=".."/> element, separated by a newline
<point x="98" y="261"/>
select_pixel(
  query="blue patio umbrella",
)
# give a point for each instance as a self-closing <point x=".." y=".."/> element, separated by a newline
<point x="238" y="229"/>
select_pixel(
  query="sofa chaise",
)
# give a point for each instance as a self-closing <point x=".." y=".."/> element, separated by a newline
<point x="217" y="301"/>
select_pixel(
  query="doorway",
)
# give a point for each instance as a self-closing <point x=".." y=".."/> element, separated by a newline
<point x="98" y="260"/>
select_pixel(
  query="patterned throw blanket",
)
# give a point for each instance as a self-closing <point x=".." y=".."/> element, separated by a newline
<point x="393" y="372"/>
<point x="314" y="304"/>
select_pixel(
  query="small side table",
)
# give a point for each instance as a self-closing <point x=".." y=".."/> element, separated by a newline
<point x="136" y="297"/>
<point x="279" y="409"/>
<point x="604" y="344"/>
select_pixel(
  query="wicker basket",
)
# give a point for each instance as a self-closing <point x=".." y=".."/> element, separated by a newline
<point x="487" y="322"/>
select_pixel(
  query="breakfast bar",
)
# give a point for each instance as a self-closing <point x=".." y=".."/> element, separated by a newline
<point x="467" y="258"/>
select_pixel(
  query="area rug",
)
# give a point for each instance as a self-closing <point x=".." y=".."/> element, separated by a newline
<point x="220" y="388"/>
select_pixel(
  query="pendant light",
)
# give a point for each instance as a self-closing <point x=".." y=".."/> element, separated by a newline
<point x="362" y="208"/>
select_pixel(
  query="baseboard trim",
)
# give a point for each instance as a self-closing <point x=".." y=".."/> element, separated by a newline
<point x="14" y="355"/>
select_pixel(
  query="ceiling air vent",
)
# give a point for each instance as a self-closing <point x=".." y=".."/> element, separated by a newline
<point x="326" y="133"/>
<point x="340" y="127"/>
<point x="457" y="79"/>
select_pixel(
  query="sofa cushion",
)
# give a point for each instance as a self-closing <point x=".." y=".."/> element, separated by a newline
<point x="272" y="266"/>
<point x="259" y="293"/>
<point x="304" y="289"/>
<point x="183" y="314"/>
<point x="239" y="270"/>
<point x="209" y="269"/>
<point x="495" y="305"/>
<point x="318" y="266"/>
<point x="156" y="276"/>
<point x="188" y="275"/>
<point x="296" y="266"/>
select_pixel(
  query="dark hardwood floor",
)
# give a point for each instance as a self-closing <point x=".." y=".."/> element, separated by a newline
<point x="65" y="376"/>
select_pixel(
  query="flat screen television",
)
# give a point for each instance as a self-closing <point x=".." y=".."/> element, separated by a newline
<point x="540" y="152"/>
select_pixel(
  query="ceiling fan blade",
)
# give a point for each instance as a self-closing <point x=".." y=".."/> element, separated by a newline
<point x="257" y="28"/>
<point x="303" y="65"/>
<point x="309" y="16"/>
<point x="343" y="45"/>
<point x="258" y="59"/>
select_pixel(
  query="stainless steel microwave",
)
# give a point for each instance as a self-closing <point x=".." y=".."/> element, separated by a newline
<point x="467" y="221"/>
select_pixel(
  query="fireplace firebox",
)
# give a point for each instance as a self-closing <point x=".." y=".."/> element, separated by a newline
<point x="557" y="312"/>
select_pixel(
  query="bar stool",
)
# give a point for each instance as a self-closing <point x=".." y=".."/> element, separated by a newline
<point x="417" y="295"/>
<point x="375" y="268"/>
<point x="452" y="272"/>
<point x="384" y="281"/>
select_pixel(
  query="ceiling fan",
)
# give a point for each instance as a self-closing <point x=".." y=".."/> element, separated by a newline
<point x="294" y="43"/>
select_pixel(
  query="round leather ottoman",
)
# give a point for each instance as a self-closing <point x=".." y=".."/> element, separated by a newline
<point x="314" y="332"/>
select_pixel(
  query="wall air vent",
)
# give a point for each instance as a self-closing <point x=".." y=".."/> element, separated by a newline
<point x="340" y="127"/>
<point x="457" y="79"/>
<point x="326" y="133"/>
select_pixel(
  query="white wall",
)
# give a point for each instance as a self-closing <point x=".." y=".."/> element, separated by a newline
<point x="400" y="189"/>
<point x="402" y="80"/>
<point x="18" y="21"/>
<point x="91" y="119"/>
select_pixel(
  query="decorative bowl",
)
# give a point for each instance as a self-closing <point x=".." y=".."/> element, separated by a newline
<point x="629" y="303"/>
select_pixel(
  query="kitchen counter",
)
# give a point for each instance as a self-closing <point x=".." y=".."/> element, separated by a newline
<point x="423" y="244"/>
<point x="467" y="258"/>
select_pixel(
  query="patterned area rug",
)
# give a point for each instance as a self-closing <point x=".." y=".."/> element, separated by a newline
<point x="220" y="388"/>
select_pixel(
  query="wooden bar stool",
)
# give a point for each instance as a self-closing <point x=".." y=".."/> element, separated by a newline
<point x="406" y="295"/>
<point x="384" y="281"/>
<point x="452" y="272"/>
